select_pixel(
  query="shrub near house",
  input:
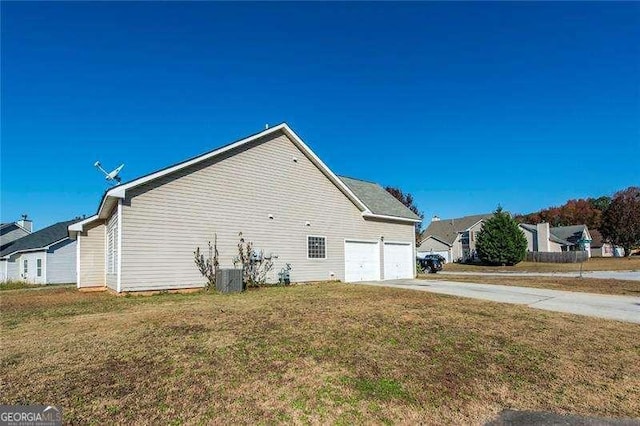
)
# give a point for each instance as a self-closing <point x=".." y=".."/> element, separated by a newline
<point x="500" y="241"/>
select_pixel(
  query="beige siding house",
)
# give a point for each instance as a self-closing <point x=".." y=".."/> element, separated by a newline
<point x="271" y="188"/>
<point x="542" y="238"/>
<point x="454" y="239"/>
<point x="47" y="256"/>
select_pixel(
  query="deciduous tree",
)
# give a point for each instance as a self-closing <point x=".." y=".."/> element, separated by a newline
<point x="409" y="202"/>
<point x="574" y="212"/>
<point x="621" y="220"/>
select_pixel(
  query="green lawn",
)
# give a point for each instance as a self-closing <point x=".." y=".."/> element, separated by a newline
<point x="322" y="353"/>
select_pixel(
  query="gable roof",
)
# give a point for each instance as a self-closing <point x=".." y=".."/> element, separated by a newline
<point x="16" y="224"/>
<point x="435" y="237"/>
<point x="552" y="236"/>
<point x="41" y="239"/>
<point x="446" y="230"/>
<point x="377" y="199"/>
<point x="572" y="233"/>
<point x="110" y="197"/>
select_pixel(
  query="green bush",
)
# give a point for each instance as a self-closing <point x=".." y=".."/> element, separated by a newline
<point x="501" y="241"/>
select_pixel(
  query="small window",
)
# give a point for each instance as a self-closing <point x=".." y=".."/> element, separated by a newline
<point x="25" y="266"/>
<point x="39" y="267"/>
<point x="316" y="247"/>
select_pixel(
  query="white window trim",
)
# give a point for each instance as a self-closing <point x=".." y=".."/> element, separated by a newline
<point x="78" y="238"/>
<point x="106" y="262"/>
<point x="119" y="258"/>
<point x="39" y="275"/>
<point x="326" y="248"/>
<point x="113" y="232"/>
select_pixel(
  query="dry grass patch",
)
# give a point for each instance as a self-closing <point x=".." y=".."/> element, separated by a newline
<point x="593" y="264"/>
<point x="17" y="285"/>
<point x="587" y="285"/>
<point x="326" y="353"/>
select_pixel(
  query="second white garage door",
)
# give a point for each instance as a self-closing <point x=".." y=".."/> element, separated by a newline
<point x="361" y="261"/>
<point x="398" y="261"/>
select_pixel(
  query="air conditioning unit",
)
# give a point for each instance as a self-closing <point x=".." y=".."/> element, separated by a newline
<point x="229" y="280"/>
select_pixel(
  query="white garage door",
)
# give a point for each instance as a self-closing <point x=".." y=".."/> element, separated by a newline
<point x="443" y="253"/>
<point x="361" y="261"/>
<point x="398" y="261"/>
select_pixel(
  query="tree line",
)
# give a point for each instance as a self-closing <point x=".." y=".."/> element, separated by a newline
<point x="617" y="218"/>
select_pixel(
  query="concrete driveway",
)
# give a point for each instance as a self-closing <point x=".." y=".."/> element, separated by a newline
<point x="621" y="308"/>
<point x="615" y="275"/>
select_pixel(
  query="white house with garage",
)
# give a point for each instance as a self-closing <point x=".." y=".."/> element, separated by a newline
<point x="47" y="256"/>
<point x="271" y="187"/>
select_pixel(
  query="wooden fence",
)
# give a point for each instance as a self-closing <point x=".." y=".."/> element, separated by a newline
<point x="561" y="257"/>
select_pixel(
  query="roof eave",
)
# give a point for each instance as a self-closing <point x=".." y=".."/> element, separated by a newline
<point x="385" y="217"/>
<point x="75" y="228"/>
<point x="45" y="247"/>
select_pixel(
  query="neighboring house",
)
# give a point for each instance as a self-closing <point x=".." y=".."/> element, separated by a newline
<point x="9" y="232"/>
<point x="600" y="248"/>
<point x="454" y="239"/>
<point x="542" y="238"/>
<point x="269" y="186"/>
<point x="47" y="256"/>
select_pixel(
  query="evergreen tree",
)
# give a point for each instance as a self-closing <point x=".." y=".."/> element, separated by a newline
<point x="501" y="241"/>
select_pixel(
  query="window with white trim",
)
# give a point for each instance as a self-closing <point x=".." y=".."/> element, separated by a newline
<point x="112" y="244"/>
<point x="316" y="247"/>
<point x="25" y="267"/>
<point x="39" y="267"/>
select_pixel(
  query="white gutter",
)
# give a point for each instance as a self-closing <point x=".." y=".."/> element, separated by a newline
<point x="385" y="217"/>
<point x="6" y="256"/>
<point x="78" y="227"/>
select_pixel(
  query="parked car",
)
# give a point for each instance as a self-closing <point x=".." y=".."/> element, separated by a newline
<point x="431" y="263"/>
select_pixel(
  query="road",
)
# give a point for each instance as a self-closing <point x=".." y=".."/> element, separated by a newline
<point x="616" y="275"/>
<point x="620" y="308"/>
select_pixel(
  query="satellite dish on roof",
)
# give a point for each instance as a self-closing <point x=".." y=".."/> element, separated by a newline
<point x="112" y="176"/>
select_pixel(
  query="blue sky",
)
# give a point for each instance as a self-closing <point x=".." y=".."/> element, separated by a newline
<point x="465" y="105"/>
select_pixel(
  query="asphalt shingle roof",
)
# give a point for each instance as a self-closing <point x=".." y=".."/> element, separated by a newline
<point x="446" y="230"/>
<point x="571" y="233"/>
<point x="39" y="239"/>
<point x="553" y="237"/>
<point x="377" y="199"/>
